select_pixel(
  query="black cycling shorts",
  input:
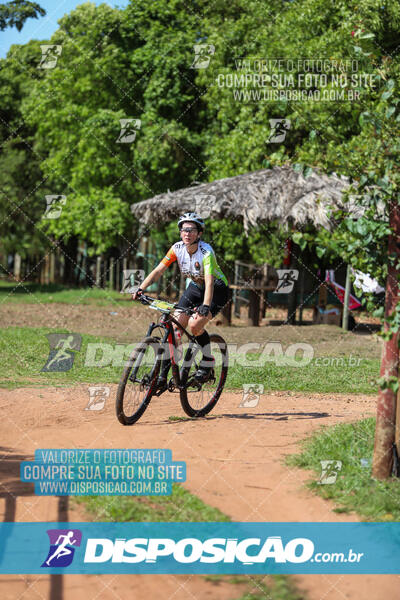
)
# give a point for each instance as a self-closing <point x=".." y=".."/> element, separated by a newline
<point x="193" y="296"/>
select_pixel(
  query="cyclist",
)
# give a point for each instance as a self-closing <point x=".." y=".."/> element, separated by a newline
<point x="207" y="291"/>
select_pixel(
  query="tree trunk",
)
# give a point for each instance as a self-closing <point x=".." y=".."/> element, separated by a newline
<point x="386" y="410"/>
<point x="52" y="266"/>
<point x="70" y="250"/>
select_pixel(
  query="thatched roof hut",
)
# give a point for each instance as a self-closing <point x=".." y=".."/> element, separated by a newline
<point x="279" y="194"/>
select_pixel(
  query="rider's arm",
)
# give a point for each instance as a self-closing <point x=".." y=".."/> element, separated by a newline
<point x="209" y="288"/>
<point x="153" y="276"/>
<point x="168" y="259"/>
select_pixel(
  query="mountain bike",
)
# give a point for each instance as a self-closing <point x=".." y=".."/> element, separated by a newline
<point x="138" y="383"/>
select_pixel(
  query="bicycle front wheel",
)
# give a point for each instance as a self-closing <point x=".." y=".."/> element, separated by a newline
<point x="138" y="382"/>
<point x="199" y="399"/>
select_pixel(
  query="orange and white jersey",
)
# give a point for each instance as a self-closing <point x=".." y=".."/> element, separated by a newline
<point x="197" y="265"/>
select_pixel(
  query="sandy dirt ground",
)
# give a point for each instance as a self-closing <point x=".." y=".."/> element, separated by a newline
<point x="235" y="462"/>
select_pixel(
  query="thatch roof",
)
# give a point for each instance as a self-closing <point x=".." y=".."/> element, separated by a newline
<point x="278" y="194"/>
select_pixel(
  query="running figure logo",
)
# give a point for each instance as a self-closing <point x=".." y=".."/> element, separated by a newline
<point x="129" y="129"/>
<point x="329" y="471"/>
<point x="50" y="54"/>
<point x="287" y="278"/>
<point x="62" y="348"/>
<point x="279" y="129"/>
<point x="131" y="280"/>
<point x="251" y="394"/>
<point x="204" y="204"/>
<point x="202" y="55"/>
<point x="98" y="395"/>
<point x="62" y="547"/>
<point x="54" y="206"/>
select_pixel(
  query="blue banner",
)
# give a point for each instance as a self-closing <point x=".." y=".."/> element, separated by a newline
<point x="200" y="548"/>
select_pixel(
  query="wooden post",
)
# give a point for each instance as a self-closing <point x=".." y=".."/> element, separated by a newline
<point x="254" y="304"/>
<point x="254" y="308"/>
<point x="46" y="269"/>
<point x="386" y="409"/>
<point x="236" y="302"/>
<point x="227" y="309"/>
<point x="345" y="320"/>
<point x="17" y="266"/>
<point x="117" y="277"/>
<point x="111" y="275"/>
<point x="302" y="276"/>
<point x="292" y="297"/>
<point x="98" y="271"/>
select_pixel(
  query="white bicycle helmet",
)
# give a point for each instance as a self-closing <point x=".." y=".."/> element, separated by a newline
<point x="193" y="218"/>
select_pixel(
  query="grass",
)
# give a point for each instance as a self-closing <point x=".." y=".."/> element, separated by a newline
<point x="180" y="506"/>
<point x="354" y="489"/>
<point x="337" y="378"/>
<point x="281" y="589"/>
<point x="24" y="351"/>
<point x="34" y="293"/>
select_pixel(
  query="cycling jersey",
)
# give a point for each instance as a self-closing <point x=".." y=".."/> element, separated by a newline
<point x="197" y="265"/>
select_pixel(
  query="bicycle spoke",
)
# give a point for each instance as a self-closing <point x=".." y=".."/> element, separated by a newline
<point x="198" y="399"/>
<point x="138" y="382"/>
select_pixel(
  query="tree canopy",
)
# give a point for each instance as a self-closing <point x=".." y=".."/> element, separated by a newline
<point x="16" y="12"/>
<point x="62" y="128"/>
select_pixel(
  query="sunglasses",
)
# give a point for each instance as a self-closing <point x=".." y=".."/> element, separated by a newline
<point x="188" y="229"/>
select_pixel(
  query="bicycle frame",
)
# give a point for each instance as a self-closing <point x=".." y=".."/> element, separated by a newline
<point x="169" y="337"/>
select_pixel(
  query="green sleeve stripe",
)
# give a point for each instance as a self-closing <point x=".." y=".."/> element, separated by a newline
<point x="211" y="267"/>
<point x="210" y="264"/>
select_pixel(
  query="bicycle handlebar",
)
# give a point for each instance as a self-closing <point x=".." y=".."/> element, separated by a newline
<point x="146" y="300"/>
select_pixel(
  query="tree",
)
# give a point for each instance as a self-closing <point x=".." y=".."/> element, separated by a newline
<point x="120" y="55"/>
<point x="16" y="12"/>
<point x="22" y="185"/>
<point x="372" y="242"/>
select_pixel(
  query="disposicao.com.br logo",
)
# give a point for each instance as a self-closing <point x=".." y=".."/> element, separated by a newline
<point x="201" y="548"/>
<point x="247" y="551"/>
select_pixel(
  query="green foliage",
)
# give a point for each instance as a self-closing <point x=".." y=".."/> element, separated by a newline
<point x="60" y="126"/>
<point x="22" y="185"/>
<point x="16" y="12"/>
<point x="115" y="71"/>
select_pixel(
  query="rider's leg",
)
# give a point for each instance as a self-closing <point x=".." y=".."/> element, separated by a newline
<point x="197" y="324"/>
<point x="166" y="363"/>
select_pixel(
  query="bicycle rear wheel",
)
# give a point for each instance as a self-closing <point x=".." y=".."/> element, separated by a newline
<point x="138" y="382"/>
<point x="199" y="399"/>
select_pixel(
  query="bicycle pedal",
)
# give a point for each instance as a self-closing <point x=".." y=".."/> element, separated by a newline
<point x="171" y="385"/>
<point x="160" y="390"/>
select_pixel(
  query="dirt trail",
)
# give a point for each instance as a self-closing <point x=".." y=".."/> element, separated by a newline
<point x="234" y="462"/>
